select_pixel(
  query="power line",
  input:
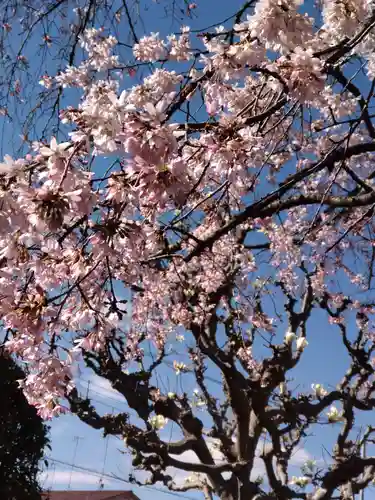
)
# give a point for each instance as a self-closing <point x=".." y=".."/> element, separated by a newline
<point x="105" y="459"/>
<point x="53" y="476"/>
<point x="211" y="379"/>
<point x="106" y="397"/>
<point x="167" y="363"/>
<point x="94" y="472"/>
<point x="102" y="391"/>
<point x="89" y="384"/>
<point x="76" y="439"/>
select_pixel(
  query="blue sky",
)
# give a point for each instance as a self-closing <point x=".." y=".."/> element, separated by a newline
<point x="82" y="457"/>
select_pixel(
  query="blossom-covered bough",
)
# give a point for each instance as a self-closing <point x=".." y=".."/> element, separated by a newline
<point x="39" y="39"/>
<point x="235" y="205"/>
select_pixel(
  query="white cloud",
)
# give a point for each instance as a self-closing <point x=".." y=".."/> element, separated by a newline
<point x="100" y="387"/>
<point x="60" y="426"/>
<point x="300" y="457"/>
<point x="297" y="460"/>
<point x="76" y="479"/>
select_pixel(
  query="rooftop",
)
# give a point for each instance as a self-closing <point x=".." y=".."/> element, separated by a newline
<point x="89" y="495"/>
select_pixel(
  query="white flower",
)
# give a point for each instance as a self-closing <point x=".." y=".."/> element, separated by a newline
<point x="200" y="402"/>
<point x="301" y="343"/>
<point x="319" y="390"/>
<point x="308" y="466"/>
<point x="193" y="478"/>
<point x="55" y="149"/>
<point x="334" y="415"/>
<point x="300" y="481"/>
<point x="158" y="422"/>
<point x="150" y="48"/>
<point x="46" y="81"/>
<point x="9" y="166"/>
<point x="289" y="337"/>
<point x="283" y="389"/>
<point x="171" y="395"/>
<point x="179" y="367"/>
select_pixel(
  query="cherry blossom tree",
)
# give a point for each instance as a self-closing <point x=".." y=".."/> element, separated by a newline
<point x="203" y="221"/>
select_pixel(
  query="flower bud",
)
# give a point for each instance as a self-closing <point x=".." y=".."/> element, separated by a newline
<point x="301" y="343"/>
<point x="289" y="337"/>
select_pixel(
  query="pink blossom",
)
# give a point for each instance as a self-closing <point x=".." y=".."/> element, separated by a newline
<point x="150" y="48"/>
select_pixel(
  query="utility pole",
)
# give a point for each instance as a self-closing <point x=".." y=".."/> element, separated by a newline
<point x="101" y="483"/>
<point x="88" y="389"/>
<point x="76" y="439"/>
<point x="363" y="456"/>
